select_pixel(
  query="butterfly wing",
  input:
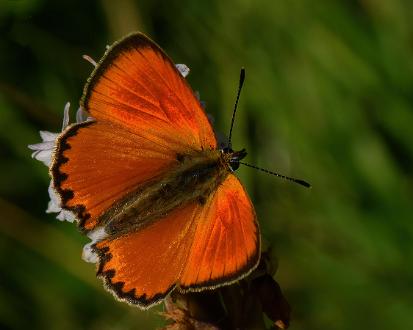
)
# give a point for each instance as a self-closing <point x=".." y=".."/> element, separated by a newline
<point x="137" y="85"/>
<point x="96" y="163"/>
<point x="194" y="247"/>
<point x="226" y="243"/>
<point x="145" y="114"/>
<point x="142" y="267"/>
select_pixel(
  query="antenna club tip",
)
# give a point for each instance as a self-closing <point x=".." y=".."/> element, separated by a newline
<point x="303" y="183"/>
<point x="242" y="74"/>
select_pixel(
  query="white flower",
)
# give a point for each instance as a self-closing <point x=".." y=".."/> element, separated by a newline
<point x="96" y="235"/>
<point x="43" y="152"/>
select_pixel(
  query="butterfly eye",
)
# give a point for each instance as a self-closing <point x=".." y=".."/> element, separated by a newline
<point x="236" y="156"/>
<point x="227" y="150"/>
<point x="234" y="164"/>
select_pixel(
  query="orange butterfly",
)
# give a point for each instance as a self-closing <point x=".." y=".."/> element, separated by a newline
<point x="148" y="184"/>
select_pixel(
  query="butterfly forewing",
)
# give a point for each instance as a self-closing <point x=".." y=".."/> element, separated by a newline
<point x="137" y="85"/>
<point x="97" y="163"/>
<point x="145" y="114"/>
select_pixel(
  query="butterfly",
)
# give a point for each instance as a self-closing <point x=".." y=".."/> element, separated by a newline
<point x="148" y="183"/>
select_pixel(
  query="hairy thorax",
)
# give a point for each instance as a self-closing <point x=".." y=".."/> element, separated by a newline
<point x="193" y="179"/>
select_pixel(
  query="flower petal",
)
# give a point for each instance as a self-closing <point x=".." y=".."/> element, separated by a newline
<point x="45" y="156"/>
<point x="54" y="203"/>
<point x="48" y="136"/>
<point x="66" y="215"/>
<point x="81" y="116"/>
<point x="47" y="145"/>
<point x="183" y="69"/>
<point x="66" y="116"/>
<point x="88" y="254"/>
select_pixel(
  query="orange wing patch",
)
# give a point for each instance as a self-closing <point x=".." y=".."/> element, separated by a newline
<point x="137" y="85"/>
<point x="143" y="267"/>
<point x="97" y="163"/>
<point x="195" y="247"/>
<point x="145" y="114"/>
<point x="226" y="243"/>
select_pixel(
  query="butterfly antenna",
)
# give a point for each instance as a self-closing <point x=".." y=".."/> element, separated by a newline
<point x="298" y="181"/>
<point x="241" y="83"/>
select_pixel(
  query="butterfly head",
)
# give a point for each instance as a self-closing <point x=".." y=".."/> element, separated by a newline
<point x="232" y="158"/>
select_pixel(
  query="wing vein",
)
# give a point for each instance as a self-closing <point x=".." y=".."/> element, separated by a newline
<point x="236" y="211"/>
<point x="171" y="92"/>
<point x="128" y="107"/>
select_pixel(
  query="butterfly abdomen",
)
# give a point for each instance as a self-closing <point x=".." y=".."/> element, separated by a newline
<point x="195" y="177"/>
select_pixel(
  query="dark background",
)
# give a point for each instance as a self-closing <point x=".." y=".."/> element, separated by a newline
<point x="328" y="98"/>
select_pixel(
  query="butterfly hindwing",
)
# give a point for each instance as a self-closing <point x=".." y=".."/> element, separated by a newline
<point x="142" y="267"/>
<point x="193" y="248"/>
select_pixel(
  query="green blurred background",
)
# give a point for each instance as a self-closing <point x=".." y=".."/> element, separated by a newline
<point x="328" y="98"/>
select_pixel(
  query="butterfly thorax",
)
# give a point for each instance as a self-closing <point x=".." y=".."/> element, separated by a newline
<point x="193" y="179"/>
